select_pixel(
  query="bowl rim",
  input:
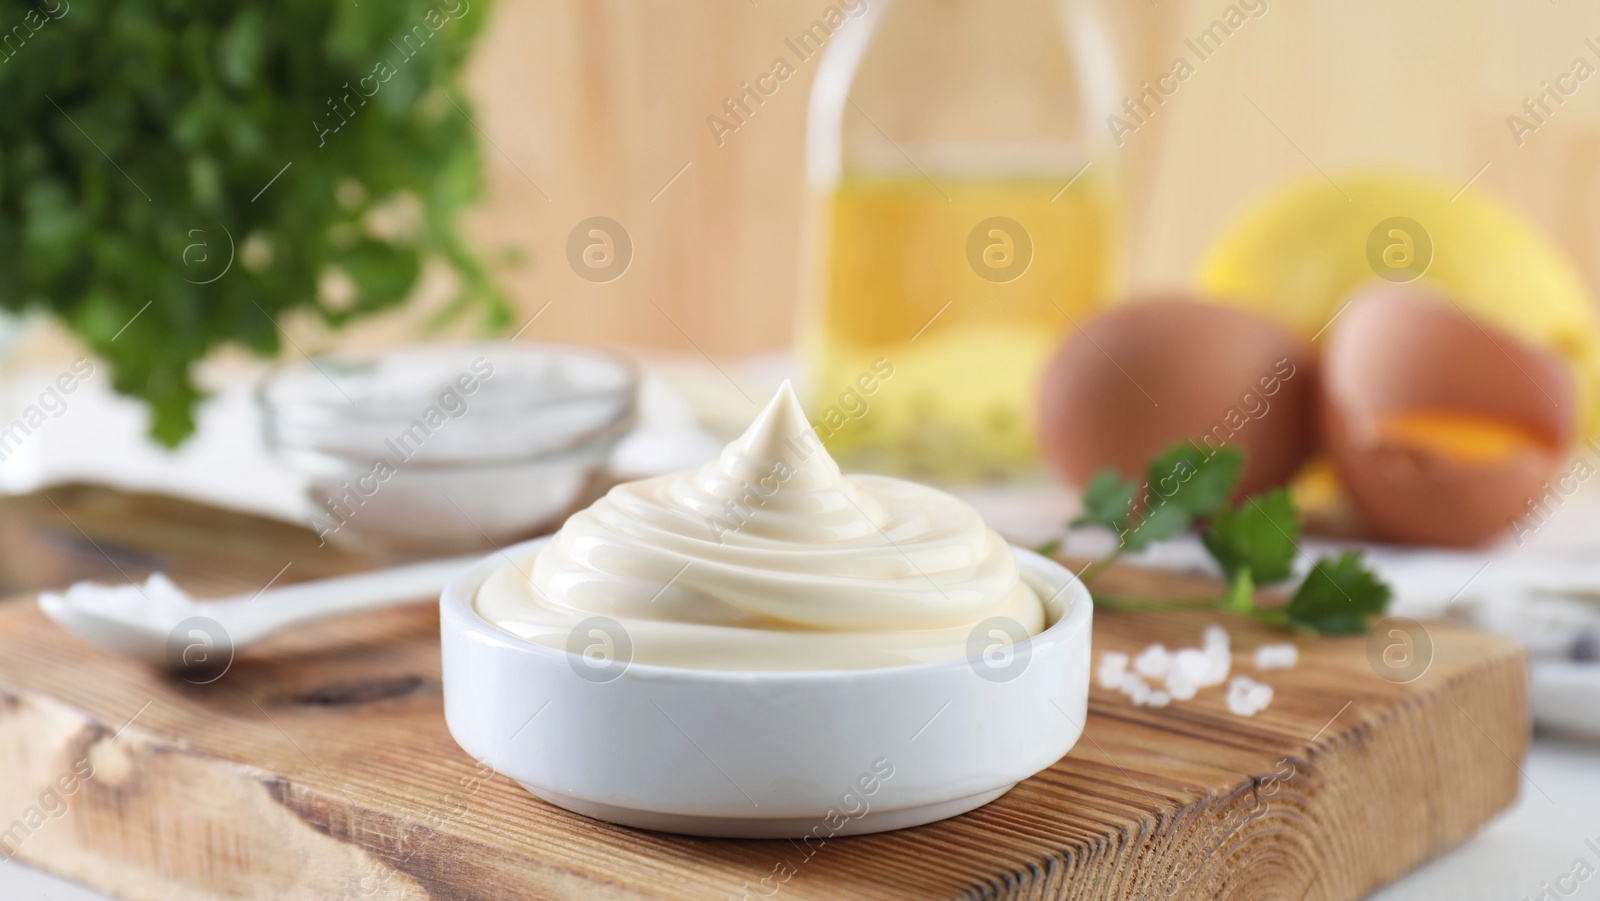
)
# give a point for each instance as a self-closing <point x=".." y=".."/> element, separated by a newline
<point x="599" y="441"/>
<point x="627" y="390"/>
<point x="1077" y="614"/>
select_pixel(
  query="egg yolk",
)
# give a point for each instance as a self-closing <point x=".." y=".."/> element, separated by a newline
<point x="1462" y="437"/>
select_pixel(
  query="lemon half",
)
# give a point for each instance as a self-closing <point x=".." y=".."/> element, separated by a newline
<point x="1299" y="255"/>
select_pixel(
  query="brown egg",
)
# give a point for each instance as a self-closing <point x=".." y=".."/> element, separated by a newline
<point x="1442" y="427"/>
<point x="1143" y="376"/>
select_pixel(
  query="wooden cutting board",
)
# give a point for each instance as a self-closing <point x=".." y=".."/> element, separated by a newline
<point x="319" y="766"/>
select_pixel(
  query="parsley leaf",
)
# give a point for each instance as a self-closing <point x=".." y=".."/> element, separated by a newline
<point x="1107" y="501"/>
<point x="1196" y="482"/>
<point x="1185" y="483"/>
<point x="1254" y="542"/>
<point x="1337" y="596"/>
<point x="1257" y="537"/>
<point x="1157" y="524"/>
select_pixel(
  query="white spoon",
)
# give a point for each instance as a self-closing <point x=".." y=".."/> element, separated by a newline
<point x="159" y="623"/>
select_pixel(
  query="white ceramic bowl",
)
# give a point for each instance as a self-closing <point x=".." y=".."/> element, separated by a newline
<point x="762" y="754"/>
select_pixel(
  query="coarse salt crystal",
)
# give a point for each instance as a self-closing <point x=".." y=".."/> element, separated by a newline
<point x="1240" y="706"/>
<point x="1180" y="685"/>
<point x="1247" y="697"/>
<point x="1277" y="656"/>
<point x="1153" y="662"/>
<point x="1260" y="695"/>
<point x="1215" y="636"/>
<point x="1178" y="675"/>
<point x="1192" y="662"/>
<point x="1218" y="663"/>
<point x="1113" y="664"/>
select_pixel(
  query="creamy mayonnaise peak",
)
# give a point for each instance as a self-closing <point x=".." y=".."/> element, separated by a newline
<point x="769" y="558"/>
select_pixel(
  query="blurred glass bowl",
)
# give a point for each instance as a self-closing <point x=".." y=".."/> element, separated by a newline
<point x="447" y="448"/>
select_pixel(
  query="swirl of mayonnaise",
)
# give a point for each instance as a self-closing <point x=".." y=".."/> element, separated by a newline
<point x="769" y="558"/>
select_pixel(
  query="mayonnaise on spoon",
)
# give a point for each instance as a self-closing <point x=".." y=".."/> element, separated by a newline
<point x="769" y="558"/>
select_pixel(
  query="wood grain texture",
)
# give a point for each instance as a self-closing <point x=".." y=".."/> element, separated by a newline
<point x="319" y="767"/>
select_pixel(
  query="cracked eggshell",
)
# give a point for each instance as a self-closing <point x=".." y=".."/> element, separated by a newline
<point x="1402" y="349"/>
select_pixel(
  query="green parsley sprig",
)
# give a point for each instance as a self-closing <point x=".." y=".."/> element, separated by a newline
<point x="176" y="178"/>
<point x="1255" y="542"/>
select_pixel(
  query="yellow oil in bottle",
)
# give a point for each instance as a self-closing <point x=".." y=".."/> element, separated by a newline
<point x="960" y="289"/>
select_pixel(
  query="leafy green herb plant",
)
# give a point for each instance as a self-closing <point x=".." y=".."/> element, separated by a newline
<point x="1255" y="542"/>
<point x="178" y="176"/>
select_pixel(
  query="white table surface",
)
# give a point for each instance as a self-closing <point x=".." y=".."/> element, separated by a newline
<point x="1536" y="845"/>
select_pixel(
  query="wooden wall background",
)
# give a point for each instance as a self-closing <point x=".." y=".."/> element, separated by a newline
<point x="593" y="106"/>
